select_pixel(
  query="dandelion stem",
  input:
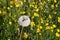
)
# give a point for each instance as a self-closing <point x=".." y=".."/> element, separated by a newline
<point x="21" y="34"/>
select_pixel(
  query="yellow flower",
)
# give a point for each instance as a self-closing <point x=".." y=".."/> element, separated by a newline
<point x="48" y="27"/>
<point x="54" y="26"/>
<point x="38" y="30"/>
<point x="11" y="2"/>
<point x="50" y="16"/>
<point x="35" y="6"/>
<point x="9" y="14"/>
<point x="4" y="12"/>
<point x="56" y="5"/>
<point x="42" y="20"/>
<point x="17" y="5"/>
<point x="21" y="2"/>
<point x="8" y="8"/>
<point x="37" y="10"/>
<point x="11" y="6"/>
<point x="55" y="12"/>
<point x="58" y="30"/>
<point x="24" y="0"/>
<point x="25" y="35"/>
<point x="32" y="24"/>
<point x="55" y="1"/>
<point x="15" y="1"/>
<point x="33" y="2"/>
<point x="41" y="3"/>
<point x="32" y="17"/>
<point x="52" y="30"/>
<point x="31" y="5"/>
<point x="44" y="2"/>
<point x="0" y="12"/>
<point x="40" y="27"/>
<point x="40" y="34"/>
<point x="52" y="6"/>
<point x="48" y="0"/>
<point x="46" y="24"/>
<point x="57" y="34"/>
<point x="22" y="12"/>
<point x="36" y="14"/>
<point x="59" y="19"/>
<point x="10" y="22"/>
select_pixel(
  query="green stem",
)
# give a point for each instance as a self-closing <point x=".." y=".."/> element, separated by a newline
<point x="21" y="34"/>
<point x="37" y="36"/>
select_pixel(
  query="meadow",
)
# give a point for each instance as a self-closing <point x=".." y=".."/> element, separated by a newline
<point x="44" y="16"/>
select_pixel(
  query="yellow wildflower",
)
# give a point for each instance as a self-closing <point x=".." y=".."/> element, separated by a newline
<point x="22" y="12"/>
<point x="32" y="24"/>
<point x="11" y="2"/>
<point x="42" y="20"/>
<point x="41" y="3"/>
<point x="52" y="30"/>
<point x="58" y="30"/>
<point x="44" y="2"/>
<point x="37" y="10"/>
<point x="36" y="14"/>
<point x="39" y="33"/>
<point x="25" y="35"/>
<point x="50" y="16"/>
<point x="52" y="6"/>
<point x="35" y="6"/>
<point x="32" y="17"/>
<point x="47" y="27"/>
<point x="8" y="8"/>
<point x="0" y="12"/>
<point x="54" y="26"/>
<point x="33" y="2"/>
<point x="11" y="6"/>
<point x="56" y="5"/>
<point x="15" y="1"/>
<point x="10" y="22"/>
<point x="21" y="2"/>
<point x="9" y="14"/>
<point x="59" y="19"/>
<point x="40" y="27"/>
<point x="48" y="0"/>
<point x="17" y="5"/>
<point x="24" y="0"/>
<point x="47" y="24"/>
<point x="55" y="1"/>
<point x="4" y="12"/>
<point x="57" y="34"/>
<point x="31" y="5"/>
<point x="38" y="30"/>
<point x="55" y="12"/>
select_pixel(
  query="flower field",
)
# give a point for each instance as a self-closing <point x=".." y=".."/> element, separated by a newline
<point x="44" y="19"/>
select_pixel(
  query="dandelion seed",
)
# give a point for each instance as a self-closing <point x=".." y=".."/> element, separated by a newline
<point x="24" y="21"/>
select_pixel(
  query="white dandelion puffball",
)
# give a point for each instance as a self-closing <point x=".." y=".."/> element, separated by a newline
<point x="24" y="21"/>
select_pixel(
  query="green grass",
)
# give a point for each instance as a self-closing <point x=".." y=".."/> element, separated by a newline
<point x="11" y="10"/>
